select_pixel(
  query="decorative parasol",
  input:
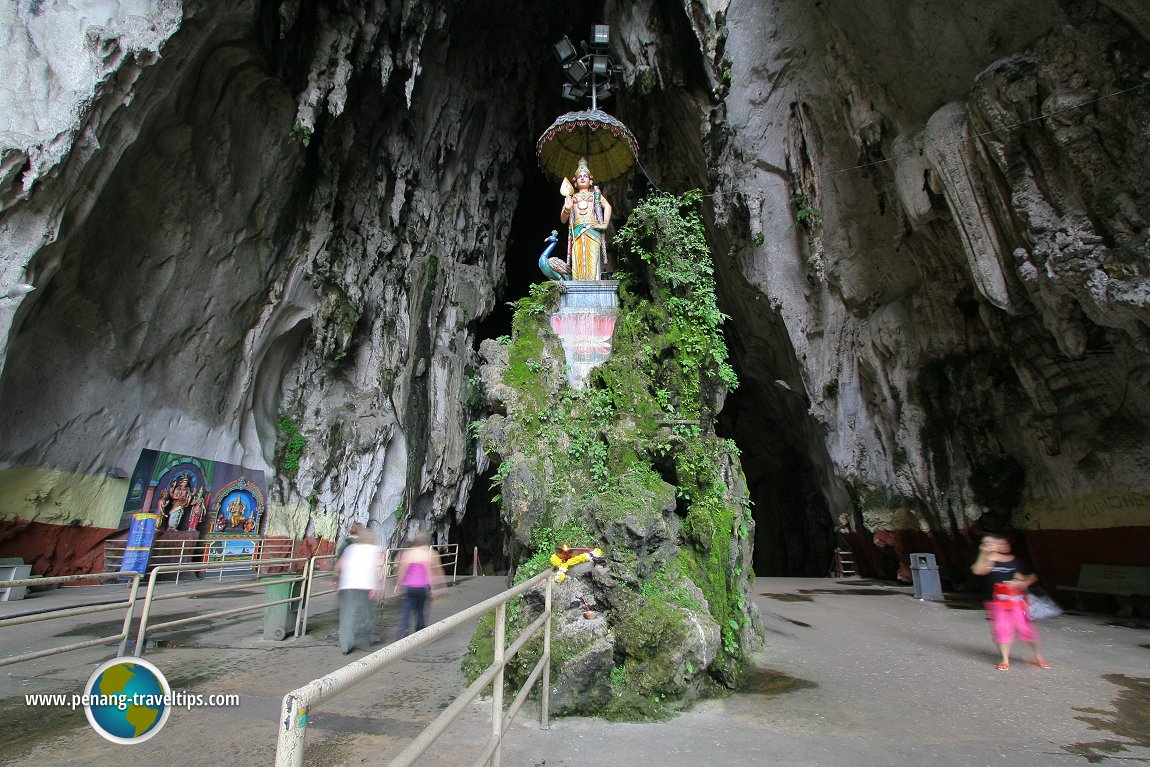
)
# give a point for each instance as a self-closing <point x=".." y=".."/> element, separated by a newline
<point x="609" y="147"/>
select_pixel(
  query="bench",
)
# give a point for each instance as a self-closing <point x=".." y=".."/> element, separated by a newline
<point x="13" y="569"/>
<point x="1123" y="582"/>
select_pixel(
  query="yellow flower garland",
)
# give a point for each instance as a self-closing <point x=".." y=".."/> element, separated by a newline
<point x="562" y="565"/>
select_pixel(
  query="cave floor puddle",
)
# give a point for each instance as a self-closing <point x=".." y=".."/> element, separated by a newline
<point x="1128" y="721"/>
<point x="766" y="681"/>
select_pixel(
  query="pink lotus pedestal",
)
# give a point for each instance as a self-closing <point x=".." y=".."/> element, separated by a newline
<point x="585" y="324"/>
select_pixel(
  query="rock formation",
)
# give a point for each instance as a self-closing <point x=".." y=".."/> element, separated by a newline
<point x="929" y="225"/>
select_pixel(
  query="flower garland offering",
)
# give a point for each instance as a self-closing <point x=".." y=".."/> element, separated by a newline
<point x="566" y="557"/>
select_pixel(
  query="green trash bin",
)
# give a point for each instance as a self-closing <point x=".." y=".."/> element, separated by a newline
<point x="279" y="620"/>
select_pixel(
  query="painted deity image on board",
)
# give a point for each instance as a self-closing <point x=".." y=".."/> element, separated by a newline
<point x="239" y="509"/>
<point x="184" y="491"/>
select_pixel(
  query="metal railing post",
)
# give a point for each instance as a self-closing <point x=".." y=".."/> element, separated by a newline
<point x="127" y="628"/>
<point x="181" y="560"/>
<point x="305" y="598"/>
<point x="293" y="716"/>
<point x="144" y="614"/>
<point x="545" y="693"/>
<point x="497" y="683"/>
<point x="386" y="572"/>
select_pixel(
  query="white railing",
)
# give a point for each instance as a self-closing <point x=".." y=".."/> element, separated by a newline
<point x="173" y="561"/>
<point x="314" y="571"/>
<point x="209" y="553"/>
<point x="128" y="606"/>
<point x="299" y="704"/>
<point x="290" y="569"/>
<point x="448" y="557"/>
<point x="301" y="564"/>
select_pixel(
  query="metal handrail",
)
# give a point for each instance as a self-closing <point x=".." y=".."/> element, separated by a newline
<point x="129" y="607"/>
<point x="445" y="550"/>
<point x="166" y="552"/>
<point x="298" y="704"/>
<point x="310" y="593"/>
<point x="150" y="597"/>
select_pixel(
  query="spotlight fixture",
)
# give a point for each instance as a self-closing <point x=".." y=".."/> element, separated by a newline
<point x="573" y="92"/>
<point x="576" y="72"/>
<point x="589" y="74"/>
<point x="564" y="50"/>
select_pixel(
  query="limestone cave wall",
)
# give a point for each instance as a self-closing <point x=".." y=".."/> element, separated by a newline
<point x="930" y="227"/>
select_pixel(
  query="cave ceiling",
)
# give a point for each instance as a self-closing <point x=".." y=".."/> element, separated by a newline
<point x="930" y="226"/>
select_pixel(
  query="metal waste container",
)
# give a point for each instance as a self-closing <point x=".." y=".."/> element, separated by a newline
<point x="279" y="620"/>
<point x="924" y="574"/>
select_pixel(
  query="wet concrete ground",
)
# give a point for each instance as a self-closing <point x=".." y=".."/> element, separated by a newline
<point x="851" y="674"/>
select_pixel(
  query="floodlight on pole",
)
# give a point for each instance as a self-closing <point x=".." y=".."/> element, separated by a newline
<point x="590" y="75"/>
<point x="564" y="50"/>
<point x="573" y="92"/>
<point x="576" y="72"/>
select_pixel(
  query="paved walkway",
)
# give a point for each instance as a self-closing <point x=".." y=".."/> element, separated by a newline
<point x="852" y="674"/>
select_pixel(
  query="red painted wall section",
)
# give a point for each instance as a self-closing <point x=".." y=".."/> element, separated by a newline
<point x="55" y="549"/>
<point x="1056" y="555"/>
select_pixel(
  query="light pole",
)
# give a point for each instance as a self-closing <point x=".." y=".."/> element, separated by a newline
<point x="592" y="74"/>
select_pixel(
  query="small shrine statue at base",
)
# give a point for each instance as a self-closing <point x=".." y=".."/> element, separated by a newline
<point x="587" y="215"/>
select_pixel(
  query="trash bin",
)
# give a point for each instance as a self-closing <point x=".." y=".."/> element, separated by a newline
<point x="279" y="619"/>
<point x="924" y="574"/>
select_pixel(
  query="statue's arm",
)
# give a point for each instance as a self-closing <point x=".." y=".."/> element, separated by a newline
<point x="606" y="213"/>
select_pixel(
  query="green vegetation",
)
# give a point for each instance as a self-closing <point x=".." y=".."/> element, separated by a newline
<point x="294" y="444"/>
<point x="300" y="133"/>
<point x="805" y="212"/>
<point x="633" y="453"/>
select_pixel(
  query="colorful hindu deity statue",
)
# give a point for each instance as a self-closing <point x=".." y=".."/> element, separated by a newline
<point x="175" y="499"/>
<point x="587" y="215"/>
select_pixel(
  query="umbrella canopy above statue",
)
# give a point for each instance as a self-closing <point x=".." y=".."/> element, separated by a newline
<point x="609" y="147"/>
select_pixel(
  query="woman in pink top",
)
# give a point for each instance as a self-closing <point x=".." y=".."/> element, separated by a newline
<point x="419" y="576"/>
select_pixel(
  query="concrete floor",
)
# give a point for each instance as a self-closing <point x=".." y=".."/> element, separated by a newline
<point x="852" y="673"/>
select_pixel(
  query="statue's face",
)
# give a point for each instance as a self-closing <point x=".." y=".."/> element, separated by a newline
<point x="583" y="180"/>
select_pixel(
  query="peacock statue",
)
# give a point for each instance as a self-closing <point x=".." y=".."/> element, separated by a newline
<point x="553" y="267"/>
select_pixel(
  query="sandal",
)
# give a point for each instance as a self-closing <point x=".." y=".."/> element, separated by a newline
<point x="1043" y="663"/>
<point x="1003" y="667"/>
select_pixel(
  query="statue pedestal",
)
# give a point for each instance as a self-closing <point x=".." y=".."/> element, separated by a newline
<point x="585" y="324"/>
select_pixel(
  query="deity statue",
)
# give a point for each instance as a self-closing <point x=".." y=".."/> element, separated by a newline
<point x="587" y="215"/>
<point x="199" y="505"/>
<point x="236" y="511"/>
<point x="174" y="499"/>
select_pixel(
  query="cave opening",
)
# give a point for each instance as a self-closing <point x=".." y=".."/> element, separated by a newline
<point x="481" y="527"/>
<point x="794" y="530"/>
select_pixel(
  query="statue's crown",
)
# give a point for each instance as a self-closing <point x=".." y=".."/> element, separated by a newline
<point x="582" y="167"/>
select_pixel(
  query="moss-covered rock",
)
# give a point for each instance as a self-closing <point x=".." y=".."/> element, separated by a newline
<point x="630" y="464"/>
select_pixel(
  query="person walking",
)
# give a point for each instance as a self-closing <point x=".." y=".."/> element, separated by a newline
<point x="418" y="578"/>
<point x="1005" y="579"/>
<point x="358" y="571"/>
